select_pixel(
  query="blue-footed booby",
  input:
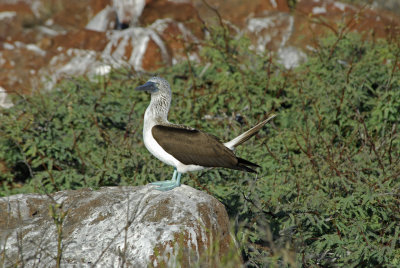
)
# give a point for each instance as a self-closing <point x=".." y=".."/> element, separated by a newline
<point x="186" y="148"/>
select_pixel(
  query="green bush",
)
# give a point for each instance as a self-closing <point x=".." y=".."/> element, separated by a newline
<point x="327" y="192"/>
<point x="75" y="136"/>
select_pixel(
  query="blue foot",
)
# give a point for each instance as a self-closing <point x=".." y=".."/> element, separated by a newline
<point x="161" y="183"/>
<point x="170" y="184"/>
<point x="166" y="185"/>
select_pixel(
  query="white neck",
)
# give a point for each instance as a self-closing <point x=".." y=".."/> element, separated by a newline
<point x="157" y="111"/>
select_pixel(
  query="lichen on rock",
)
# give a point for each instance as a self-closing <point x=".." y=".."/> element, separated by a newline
<point x="135" y="226"/>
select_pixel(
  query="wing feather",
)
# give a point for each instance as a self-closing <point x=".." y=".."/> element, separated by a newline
<point x="194" y="147"/>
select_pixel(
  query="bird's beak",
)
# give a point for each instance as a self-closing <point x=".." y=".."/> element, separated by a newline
<point x="148" y="86"/>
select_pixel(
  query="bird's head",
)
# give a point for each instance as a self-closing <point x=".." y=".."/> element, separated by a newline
<point x="156" y="86"/>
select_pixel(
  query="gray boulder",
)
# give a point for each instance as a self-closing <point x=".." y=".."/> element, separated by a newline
<point x="113" y="227"/>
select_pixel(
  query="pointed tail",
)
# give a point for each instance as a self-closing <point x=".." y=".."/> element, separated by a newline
<point x="248" y="134"/>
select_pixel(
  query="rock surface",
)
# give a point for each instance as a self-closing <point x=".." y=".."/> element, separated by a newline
<point x="112" y="227"/>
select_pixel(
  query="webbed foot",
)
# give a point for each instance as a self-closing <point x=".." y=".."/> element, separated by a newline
<point x="170" y="184"/>
<point x="166" y="185"/>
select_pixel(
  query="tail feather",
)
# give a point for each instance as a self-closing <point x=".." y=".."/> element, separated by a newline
<point x="247" y="135"/>
<point x="243" y="165"/>
<point x="247" y="163"/>
<point x="247" y="169"/>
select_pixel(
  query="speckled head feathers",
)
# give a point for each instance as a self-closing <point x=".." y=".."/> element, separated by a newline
<point x="156" y="86"/>
<point x="162" y="84"/>
<point x="160" y="98"/>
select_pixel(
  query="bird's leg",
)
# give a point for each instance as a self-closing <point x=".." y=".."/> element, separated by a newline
<point x="178" y="180"/>
<point x="174" y="175"/>
<point x="170" y="184"/>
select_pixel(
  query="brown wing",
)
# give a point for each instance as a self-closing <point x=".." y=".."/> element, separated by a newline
<point x="193" y="147"/>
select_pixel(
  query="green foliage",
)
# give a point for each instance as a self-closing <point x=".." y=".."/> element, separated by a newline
<point x="327" y="192"/>
<point x="76" y="136"/>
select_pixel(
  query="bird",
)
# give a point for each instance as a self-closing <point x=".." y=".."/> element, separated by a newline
<point x="185" y="148"/>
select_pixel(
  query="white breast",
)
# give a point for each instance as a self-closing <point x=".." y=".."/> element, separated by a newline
<point x="155" y="148"/>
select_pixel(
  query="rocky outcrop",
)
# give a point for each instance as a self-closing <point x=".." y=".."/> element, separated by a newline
<point x="113" y="227"/>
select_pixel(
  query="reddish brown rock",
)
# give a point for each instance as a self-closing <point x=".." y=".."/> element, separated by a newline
<point x="103" y="21"/>
<point x="183" y="12"/>
<point x="153" y="57"/>
<point x="97" y="5"/>
<point x="129" y="12"/>
<point x="13" y="18"/>
<point x="314" y="19"/>
<point x="19" y="65"/>
<point x="137" y="47"/>
<point x="270" y="31"/>
<point x="179" y="40"/>
<point x="49" y="36"/>
<point x="75" y="14"/>
<point x="82" y="39"/>
<point x="237" y="11"/>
